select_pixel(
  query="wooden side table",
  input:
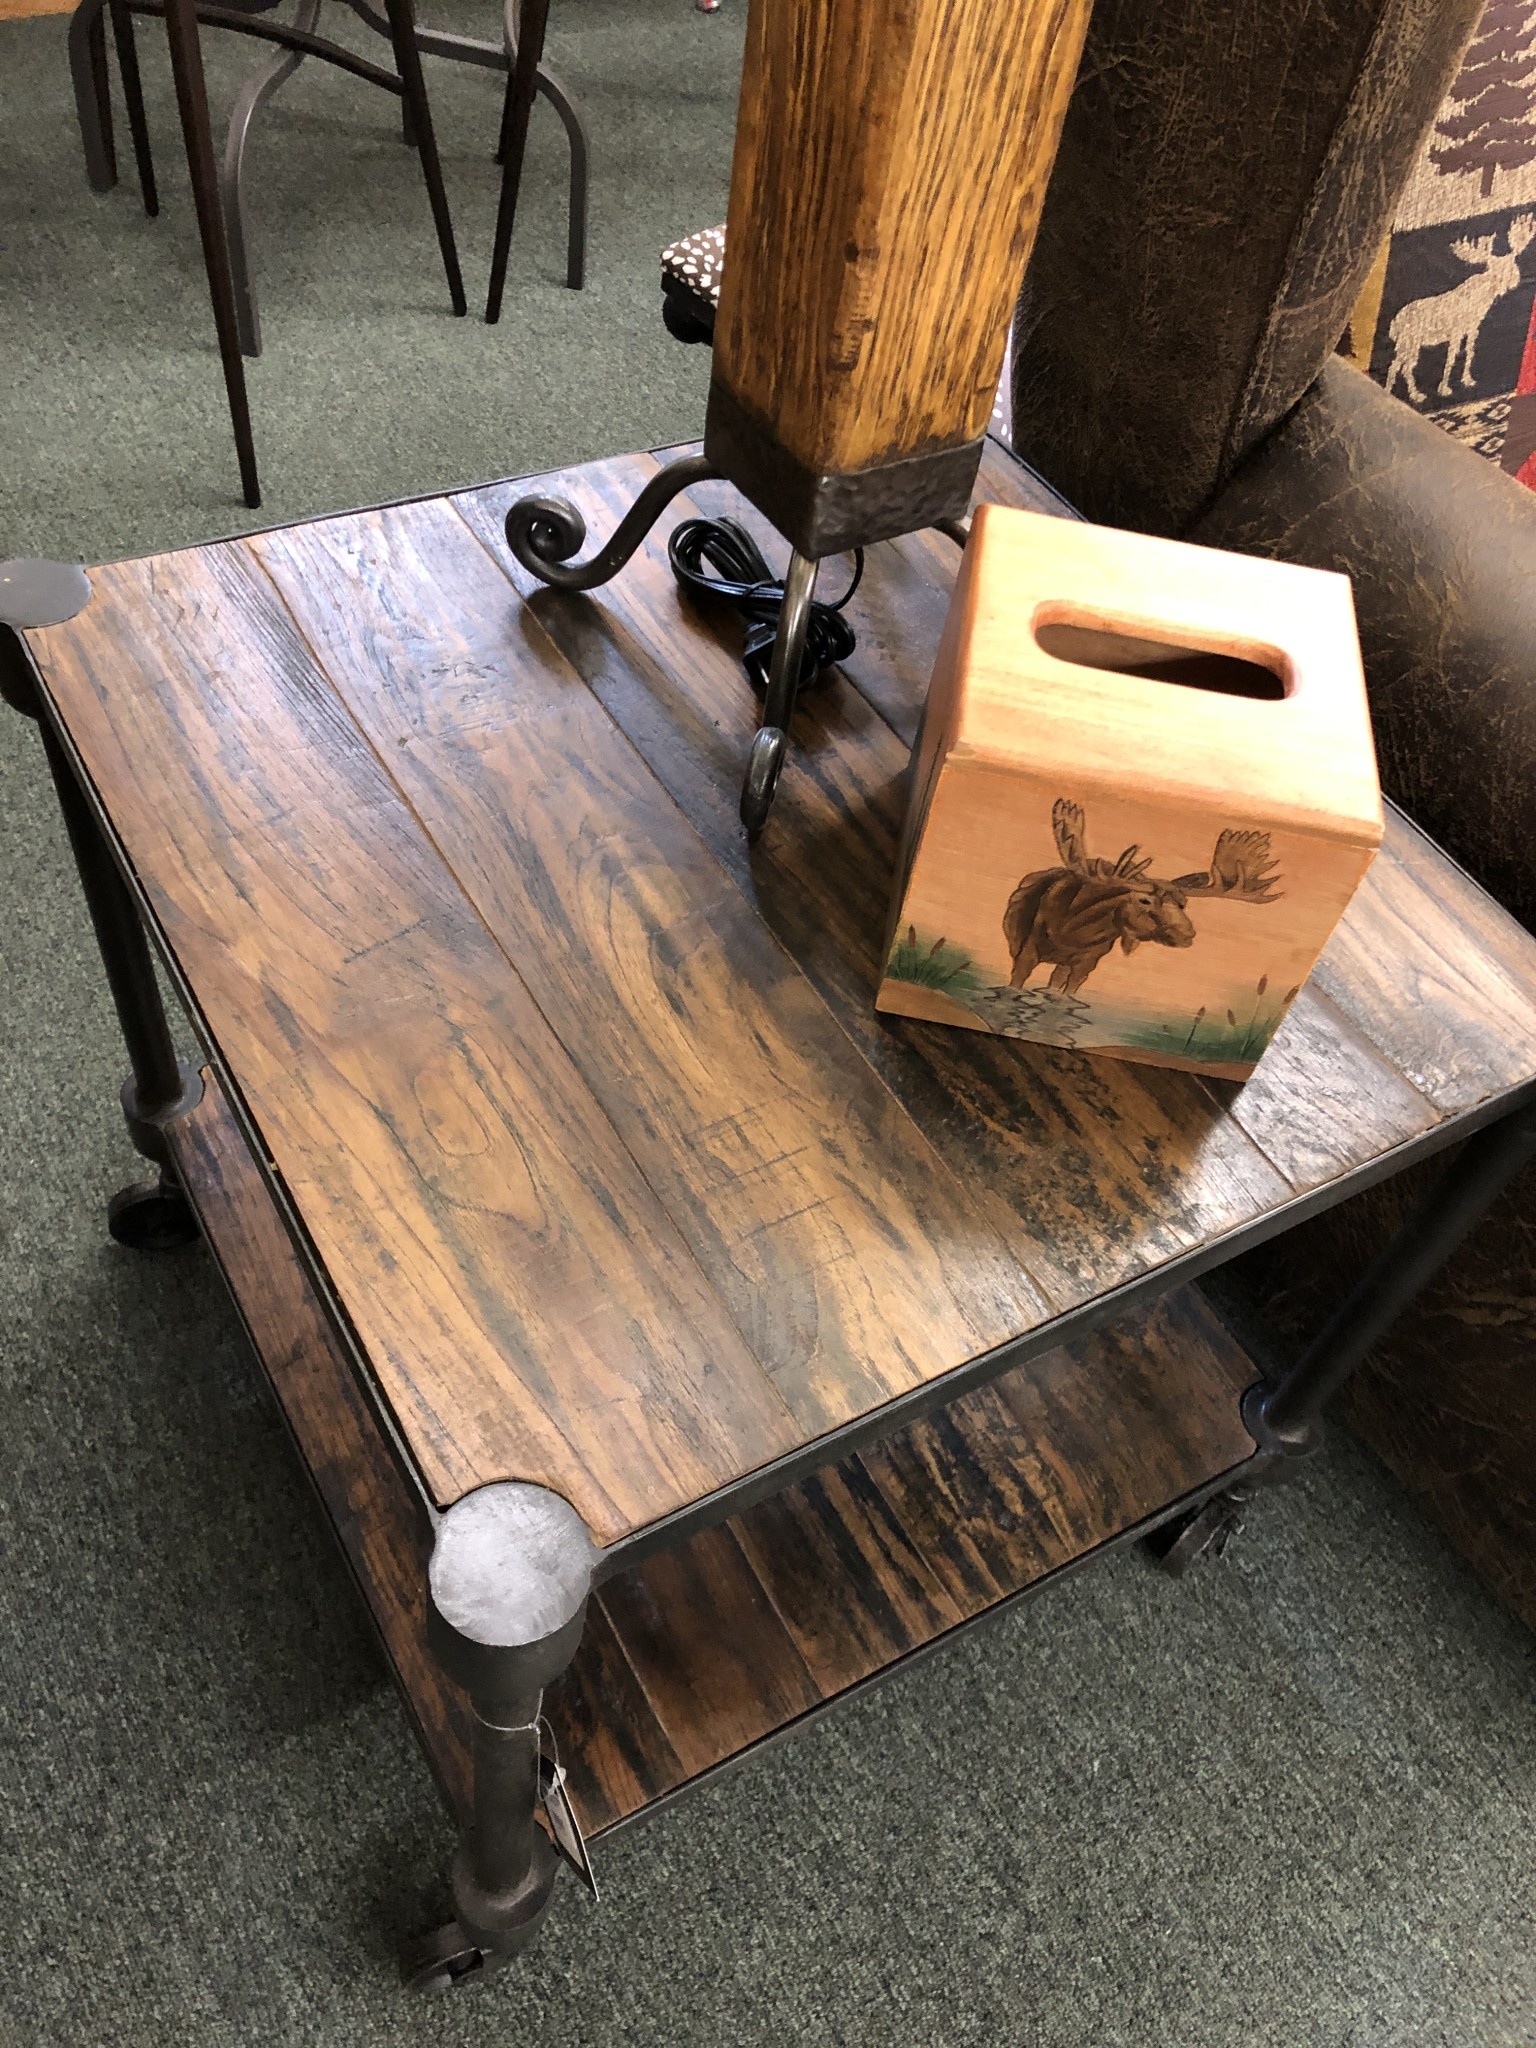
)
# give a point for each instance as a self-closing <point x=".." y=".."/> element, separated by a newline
<point x="677" y="1345"/>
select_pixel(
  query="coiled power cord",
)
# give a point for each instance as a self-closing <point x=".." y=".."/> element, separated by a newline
<point x="740" y="576"/>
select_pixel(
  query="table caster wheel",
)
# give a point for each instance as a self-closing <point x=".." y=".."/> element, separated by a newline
<point x="440" y="1960"/>
<point x="1204" y="1532"/>
<point x="769" y="746"/>
<point x="152" y="1216"/>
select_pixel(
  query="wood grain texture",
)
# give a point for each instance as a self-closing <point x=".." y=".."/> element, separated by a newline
<point x="1109" y="844"/>
<point x="1435" y="974"/>
<point x="377" y="1517"/>
<point x="527" y="1306"/>
<point x="1067" y="1151"/>
<point x="623" y="1184"/>
<point x="889" y="170"/>
<point x="856" y="1264"/>
<point x="698" y="1653"/>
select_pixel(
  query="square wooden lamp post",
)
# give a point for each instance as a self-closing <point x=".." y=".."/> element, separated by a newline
<point x="890" y="165"/>
<point x="1144" y="792"/>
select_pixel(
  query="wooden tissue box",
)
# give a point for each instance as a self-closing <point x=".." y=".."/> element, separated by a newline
<point x="1143" y="793"/>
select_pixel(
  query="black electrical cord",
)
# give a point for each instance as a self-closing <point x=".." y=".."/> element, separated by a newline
<point x="743" y="578"/>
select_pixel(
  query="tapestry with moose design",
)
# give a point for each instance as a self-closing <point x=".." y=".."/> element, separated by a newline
<point x="1448" y="318"/>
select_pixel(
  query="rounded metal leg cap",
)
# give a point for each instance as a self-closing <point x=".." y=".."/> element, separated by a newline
<point x="764" y="765"/>
<point x="152" y="1216"/>
<point x="34" y="592"/>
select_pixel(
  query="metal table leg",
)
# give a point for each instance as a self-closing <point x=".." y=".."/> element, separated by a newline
<point x="508" y="1582"/>
<point x="1285" y="1419"/>
<point x="151" y="1215"/>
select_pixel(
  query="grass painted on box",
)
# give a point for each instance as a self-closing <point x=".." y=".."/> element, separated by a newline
<point x="1071" y="917"/>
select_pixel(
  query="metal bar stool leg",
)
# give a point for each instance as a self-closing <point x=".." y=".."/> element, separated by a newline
<point x="414" y="96"/>
<point x="581" y="158"/>
<point x="133" y="98"/>
<point x="254" y="94"/>
<point x="522" y="81"/>
<point x="93" y="100"/>
<point x="192" y="99"/>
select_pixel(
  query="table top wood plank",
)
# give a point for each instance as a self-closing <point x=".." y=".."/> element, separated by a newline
<point x="854" y="1261"/>
<point x="1435" y="974"/>
<point x="717" y="1664"/>
<point x="1093" y="1177"/>
<point x="820" y="1586"/>
<point x="375" y="1511"/>
<point x="1324" y="1100"/>
<point x="621" y="1182"/>
<point x="521" y="1296"/>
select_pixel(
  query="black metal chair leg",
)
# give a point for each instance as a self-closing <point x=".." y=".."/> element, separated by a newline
<point x="93" y="100"/>
<point x="522" y="82"/>
<point x="254" y="94"/>
<point x="408" y="63"/>
<point x="581" y="160"/>
<point x="133" y="99"/>
<point x="192" y="99"/>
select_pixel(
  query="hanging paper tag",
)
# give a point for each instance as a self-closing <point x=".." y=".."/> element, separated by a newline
<point x="563" y="1826"/>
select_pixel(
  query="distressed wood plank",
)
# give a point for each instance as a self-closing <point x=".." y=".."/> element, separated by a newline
<point x="527" y="1306"/>
<point x="609" y="1739"/>
<point x="852" y="1588"/>
<point x="717" y="1665"/>
<point x="889" y="170"/>
<point x="1019" y="1478"/>
<point x="378" y="1520"/>
<point x="1435" y="974"/>
<point x="1092" y="1175"/>
<point x="1323" y="1099"/>
<point x="694" y="1655"/>
<point x="856" y="1263"/>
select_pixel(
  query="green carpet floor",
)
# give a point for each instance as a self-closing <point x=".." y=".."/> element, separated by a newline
<point x="1289" y="1802"/>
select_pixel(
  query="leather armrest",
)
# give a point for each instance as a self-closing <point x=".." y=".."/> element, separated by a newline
<point x="1442" y="550"/>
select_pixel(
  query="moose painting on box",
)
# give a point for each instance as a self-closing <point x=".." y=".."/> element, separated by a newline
<point x="1143" y="796"/>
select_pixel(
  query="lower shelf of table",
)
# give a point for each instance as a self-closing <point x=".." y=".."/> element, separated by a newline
<point x="702" y="1652"/>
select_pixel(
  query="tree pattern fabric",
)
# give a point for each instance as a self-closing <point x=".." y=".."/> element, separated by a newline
<point x="1448" y="319"/>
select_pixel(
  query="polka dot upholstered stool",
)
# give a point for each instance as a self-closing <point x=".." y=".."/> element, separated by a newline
<point x="690" y="284"/>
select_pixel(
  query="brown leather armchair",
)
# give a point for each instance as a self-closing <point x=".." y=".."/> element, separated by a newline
<point x="1225" y="178"/>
